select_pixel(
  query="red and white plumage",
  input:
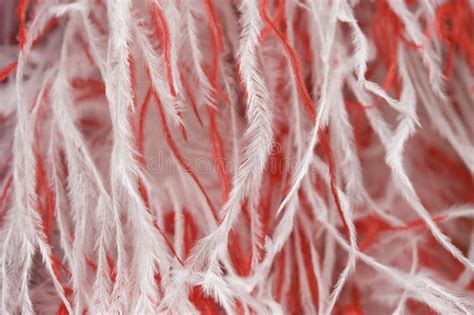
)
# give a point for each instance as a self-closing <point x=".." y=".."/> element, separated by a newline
<point x="240" y="156"/>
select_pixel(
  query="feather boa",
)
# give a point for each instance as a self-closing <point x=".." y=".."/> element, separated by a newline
<point x="237" y="157"/>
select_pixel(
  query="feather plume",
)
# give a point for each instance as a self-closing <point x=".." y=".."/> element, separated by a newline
<point x="236" y="157"/>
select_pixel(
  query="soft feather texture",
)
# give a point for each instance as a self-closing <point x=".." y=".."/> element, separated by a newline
<point x="237" y="157"/>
